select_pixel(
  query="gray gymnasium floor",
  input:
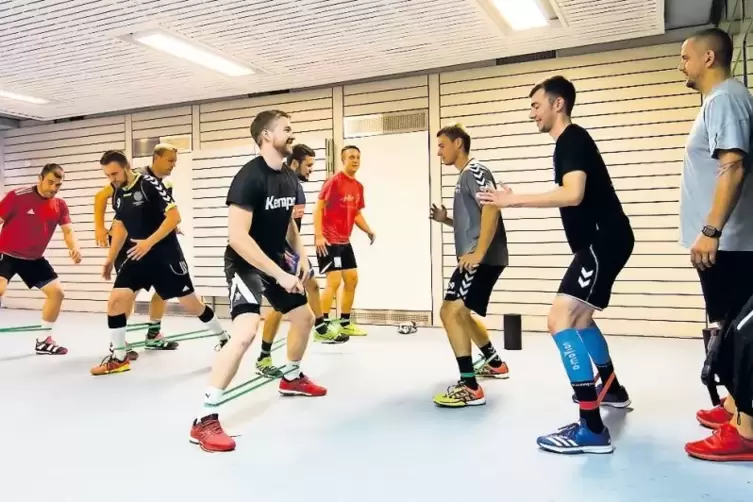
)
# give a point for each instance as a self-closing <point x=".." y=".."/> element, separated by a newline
<point x="68" y="436"/>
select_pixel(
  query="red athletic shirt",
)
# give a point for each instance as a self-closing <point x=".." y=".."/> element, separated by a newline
<point x="343" y="200"/>
<point x="30" y="221"/>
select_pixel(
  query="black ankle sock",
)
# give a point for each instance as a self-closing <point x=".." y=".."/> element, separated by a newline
<point x="605" y="371"/>
<point x="154" y="328"/>
<point x="345" y="320"/>
<point x="321" y="325"/>
<point x="266" y="350"/>
<point x="467" y="374"/>
<point x="585" y="392"/>
<point x="490" y="354"/>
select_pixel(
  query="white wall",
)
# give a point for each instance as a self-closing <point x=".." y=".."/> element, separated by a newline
<point x="632" y="101"/>
<point x="395" y="272"/>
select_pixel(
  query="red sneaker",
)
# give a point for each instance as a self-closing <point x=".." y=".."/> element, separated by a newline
<point x="725" y="444"/>
<point x="208" y="434"/>
<point x="301" y="386"/>
<point x="714" y="418"/>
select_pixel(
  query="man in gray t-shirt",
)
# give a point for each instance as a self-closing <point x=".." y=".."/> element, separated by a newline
<point x="481" y="249"/>
<point x="723" y="124"/>
<point x="466" y="214"/>
<point x="716" y="224"/>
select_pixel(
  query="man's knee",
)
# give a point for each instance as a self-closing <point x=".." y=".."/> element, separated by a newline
<point x="568" y="313"/>
<point x="333" y="280"/>
<point x="350" y="279"/>
<point x="54" y="291"/>
<point x="312" y="286"/>
<point x="243" y="330"/>
<point x="272" y="322"/>
<point x="451" y="310"/>
<point x="120" y="302"/>
<point x="302" y="317"/>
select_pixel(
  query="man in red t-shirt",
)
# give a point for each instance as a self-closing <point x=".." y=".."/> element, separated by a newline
<point x="29" y="217"/>
<point x="337" y="210"/>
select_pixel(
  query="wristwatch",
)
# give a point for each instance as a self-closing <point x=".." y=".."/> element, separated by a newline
<point x="712" y="232"/>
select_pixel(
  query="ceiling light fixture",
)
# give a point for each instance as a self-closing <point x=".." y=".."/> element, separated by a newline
<point x="22" y="97"/>
<point x="521" y="14"/>
<point x="191" y="51"/>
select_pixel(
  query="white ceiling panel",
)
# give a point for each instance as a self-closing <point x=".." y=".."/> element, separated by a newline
<point x="69" y="51"/>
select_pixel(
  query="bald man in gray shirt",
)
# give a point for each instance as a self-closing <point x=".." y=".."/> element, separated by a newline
<point x="716" y="225"/>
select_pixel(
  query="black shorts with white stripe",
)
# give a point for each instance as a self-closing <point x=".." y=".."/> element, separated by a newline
<point x="474" y="287"/>
<point x="164" y="270"/>
<point x="247" y="286"/>
<point x="593" y="272"/>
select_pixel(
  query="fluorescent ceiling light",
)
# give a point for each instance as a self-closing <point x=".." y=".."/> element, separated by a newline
<point x="22" y="97"/>
<point x="194" y="53"/>
<point x="521" y="14"/>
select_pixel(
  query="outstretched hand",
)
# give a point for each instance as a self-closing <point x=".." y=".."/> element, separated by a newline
<point x="438" y="214"/>
<point x="500" y="197"/>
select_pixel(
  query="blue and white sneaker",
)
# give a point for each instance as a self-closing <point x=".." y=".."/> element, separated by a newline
<point x="576" y="438"/>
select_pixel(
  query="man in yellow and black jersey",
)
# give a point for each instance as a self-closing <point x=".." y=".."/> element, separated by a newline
<point x="164" y="159"/>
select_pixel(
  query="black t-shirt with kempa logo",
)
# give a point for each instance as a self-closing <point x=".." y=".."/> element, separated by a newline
<point x="270" y="195"/>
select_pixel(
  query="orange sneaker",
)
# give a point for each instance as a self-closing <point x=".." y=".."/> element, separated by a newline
<point x="111" y="364"/>
<point x="459" y="396"/>
<point x="489" y="371"/>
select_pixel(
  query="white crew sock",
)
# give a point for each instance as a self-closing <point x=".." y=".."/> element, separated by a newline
<point x="212" y="396"/>
<point x="47" y="326"/>
<point x="292" y="370"/>
<point x="118" y="339"/>
<point x="215" y="328"/>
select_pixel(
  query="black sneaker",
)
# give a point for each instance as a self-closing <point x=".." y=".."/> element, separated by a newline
<point x="49" y="347"/>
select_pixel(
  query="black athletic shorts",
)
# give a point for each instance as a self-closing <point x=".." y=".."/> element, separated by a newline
<point x="248" y="285"/>
<point x="474" y="287"/>
<point x="594" y="270"/>
<point x="339" y="257"/>
<point x="35" y="273"/>
<point x="167" y="272"/>
<point x="728" y="284"/>
<point x="122" y="255"/>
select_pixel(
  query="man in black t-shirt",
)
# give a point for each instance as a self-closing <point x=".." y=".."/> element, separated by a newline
<point x="301" y="163"/>
<point x="601" y="239"/>
<point x="145" y="214"/>
<point x="260" y="220"/>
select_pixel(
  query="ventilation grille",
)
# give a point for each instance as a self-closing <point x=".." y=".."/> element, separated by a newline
<point x="144" y="147"/>
<point x="386" y="123"/>
<point x="391" y="317"/>
<point x="538" y="56"/>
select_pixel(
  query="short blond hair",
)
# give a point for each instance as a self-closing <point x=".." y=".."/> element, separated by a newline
<point x="161" y="148"/>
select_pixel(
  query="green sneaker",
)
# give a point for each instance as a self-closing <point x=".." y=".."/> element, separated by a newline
<point x="158" y="342"/>
<point x="332" y="335"/>
<point x="351" y="329"/>
<point x="265" y="368"/>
